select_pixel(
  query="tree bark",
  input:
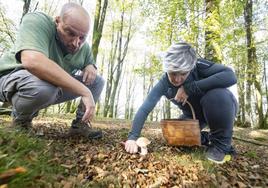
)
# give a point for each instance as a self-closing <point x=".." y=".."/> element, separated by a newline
<point x="212" y="34"/>
<point x="99" y="19"/>
<point x="253" y="67"/>
<point x="118" y="92"/>
<point x="98" y="108"/>
<point x="130" y="87"/>
<point x="122" y="52"/>
<point x="26" y="8"/>
<point x="109" y="84"/>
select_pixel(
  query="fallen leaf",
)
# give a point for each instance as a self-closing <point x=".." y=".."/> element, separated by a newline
<point x="101" y="156"/>
<point x="88" y="159"/>
<point x="8" y="175"/>
<point x="143" y="171"/>
<point x="254" y="177"/>
<point x="67" y="184"/>
<point x="67" y="166"/>
<point x="56" y="160"/>
<point x="101" y="173"/>
<point x="80" y="177"/>
<point x="3" y="156"/>
<point x="240" y="184"/>
<point x="40" y="132"/>
<point x="255" y="166"/>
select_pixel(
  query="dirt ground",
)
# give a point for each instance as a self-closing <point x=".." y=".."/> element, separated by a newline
<point x="104" y="163"/>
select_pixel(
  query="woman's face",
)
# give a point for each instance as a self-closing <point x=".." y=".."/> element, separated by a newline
<point x="177" y="78"/>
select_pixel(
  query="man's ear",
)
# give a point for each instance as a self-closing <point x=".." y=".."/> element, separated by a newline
<point x="57" y="20"/>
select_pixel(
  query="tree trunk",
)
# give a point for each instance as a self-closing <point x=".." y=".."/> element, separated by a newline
<point x="114" y="89"/>
<point x="118" y="92"/>
<point x="130" y="87"/>
<point x="109" y="84"/>
<point x="122" y="52"/>
<point x="26" y="8"/>
<point x="101" y="74"/>
<point x="212" y="34"/>
<point x="266" y="94"/>
<point x="241" y="118"/>
<point x="249" y="70"/>
<point x="252" y="66"/>
<point x="167" y="114"/>
<point x="259" y="105"/>
<point x="99" y="19"/>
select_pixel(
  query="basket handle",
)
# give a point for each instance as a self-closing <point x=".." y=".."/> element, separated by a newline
<point x="191" y="107"/>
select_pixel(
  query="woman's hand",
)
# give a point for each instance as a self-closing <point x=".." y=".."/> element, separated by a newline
<point x="131" y="146"/>
<point x="181" y="95"/>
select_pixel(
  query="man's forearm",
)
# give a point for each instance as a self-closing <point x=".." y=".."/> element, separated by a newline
<point x="45" y="69"/>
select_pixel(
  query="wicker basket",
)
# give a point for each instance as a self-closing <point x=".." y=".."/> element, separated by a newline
<point x="181" y="132"/>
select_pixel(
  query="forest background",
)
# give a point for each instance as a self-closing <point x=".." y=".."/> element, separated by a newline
<point x="128" y="38"/>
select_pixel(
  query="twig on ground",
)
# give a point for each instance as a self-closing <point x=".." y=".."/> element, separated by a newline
<point x="250" y="141"/>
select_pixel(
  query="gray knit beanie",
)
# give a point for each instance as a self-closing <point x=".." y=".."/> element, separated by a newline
<point x="179" y="57"/>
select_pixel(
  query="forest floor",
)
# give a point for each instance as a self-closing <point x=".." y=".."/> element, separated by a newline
<point x="51" y="161"/>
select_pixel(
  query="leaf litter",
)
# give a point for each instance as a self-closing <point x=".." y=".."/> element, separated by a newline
<point x="104" y="162"/>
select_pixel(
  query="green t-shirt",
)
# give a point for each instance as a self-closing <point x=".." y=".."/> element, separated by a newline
<point x="38" y="32"/>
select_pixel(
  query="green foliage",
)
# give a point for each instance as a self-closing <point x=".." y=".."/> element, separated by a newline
<point x="115" y="9"/>
<point x="7" y="30"/>
<point x="251" y="154"/>
<point x="165" y="15"/>
<point x="153" y="67"/>
<point x="18" y="149"/>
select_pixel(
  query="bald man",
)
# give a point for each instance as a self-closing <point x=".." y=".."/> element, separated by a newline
<point x="51" y="63"/>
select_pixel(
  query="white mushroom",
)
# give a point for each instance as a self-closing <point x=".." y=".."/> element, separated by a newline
<point x="142" y="142"/>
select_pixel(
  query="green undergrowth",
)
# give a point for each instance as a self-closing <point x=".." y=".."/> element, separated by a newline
<point x="251" y="154"/>
<point x="18" y="149"/>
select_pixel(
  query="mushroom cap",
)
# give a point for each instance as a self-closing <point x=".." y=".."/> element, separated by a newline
<point x="142" y="142"/>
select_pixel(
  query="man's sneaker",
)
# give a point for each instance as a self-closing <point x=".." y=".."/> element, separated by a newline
<point x="22" y="124"/>
<point x="217" y="156"/>
<point x="83" y="129"/>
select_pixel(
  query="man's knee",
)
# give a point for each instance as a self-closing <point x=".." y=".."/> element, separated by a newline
<point x="99" y="81"/>
<point x="97" y="86"/>
<point x="36" y="95"/>
<point x="46" y="92"/>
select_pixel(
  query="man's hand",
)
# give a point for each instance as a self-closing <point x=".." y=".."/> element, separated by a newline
<point x="181" y="96"/>
<point x="89" y="105"/>
<point x="89" y="74"/>
<point x="131" y="146"/>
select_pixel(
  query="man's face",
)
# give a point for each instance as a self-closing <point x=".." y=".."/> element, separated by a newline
<point x="177" y="78"/>
<point x="72" y="33"/>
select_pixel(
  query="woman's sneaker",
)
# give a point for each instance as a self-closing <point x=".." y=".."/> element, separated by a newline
<point x="83" y="129"/>
<point x="217" y="156"/>
<point x="205" y="139"/>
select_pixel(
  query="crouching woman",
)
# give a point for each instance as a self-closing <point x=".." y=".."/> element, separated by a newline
<point x="202" y="83"/>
